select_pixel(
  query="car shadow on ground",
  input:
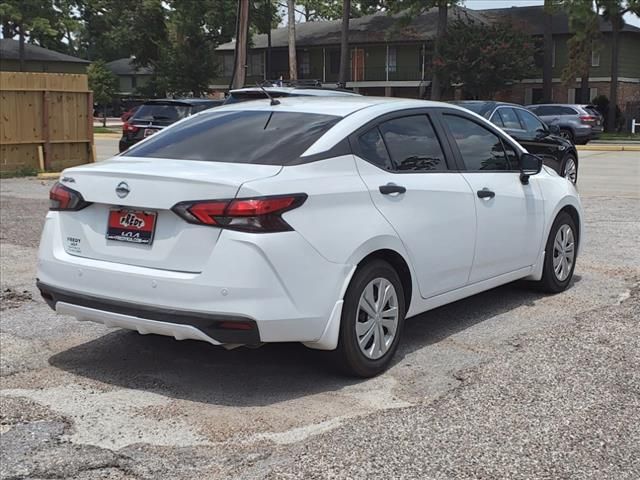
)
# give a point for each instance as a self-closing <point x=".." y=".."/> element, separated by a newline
<point x="198" y="372"/>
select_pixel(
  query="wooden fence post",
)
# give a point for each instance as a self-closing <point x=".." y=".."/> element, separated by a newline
<point x="45" y="130"/>
<point x="92" y="148"/>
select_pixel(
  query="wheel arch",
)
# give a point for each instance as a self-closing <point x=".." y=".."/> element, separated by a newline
<point x="400" y="265"/>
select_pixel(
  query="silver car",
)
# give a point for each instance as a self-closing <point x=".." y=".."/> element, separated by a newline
<point x="577" y="123"/>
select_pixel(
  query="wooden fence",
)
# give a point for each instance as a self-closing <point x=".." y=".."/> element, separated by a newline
<point x="46" y="121"/>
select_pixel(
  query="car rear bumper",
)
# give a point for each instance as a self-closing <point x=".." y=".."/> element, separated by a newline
<point x="278" y="281"/>
<point x="181" y="324"/>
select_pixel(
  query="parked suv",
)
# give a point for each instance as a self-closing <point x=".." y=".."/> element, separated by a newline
<point x="154" y="115"/>
<point x="532" y="133"/>
<point x="577" y="123"/>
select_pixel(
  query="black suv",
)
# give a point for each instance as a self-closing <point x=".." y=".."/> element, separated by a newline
<point x="154" y="115"/>
<point x="530" y="132"/>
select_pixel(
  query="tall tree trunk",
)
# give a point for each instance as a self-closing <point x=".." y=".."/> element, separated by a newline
<point x="547" y="65"/>
<point x="616" y="21"/>
<point x="584" y="79"/>
<point x="344" y="44"/>
<point x="104" y="116"/>
<point x="21" y="53"/>
<point x="293" y="60"/>
<point x="436" y="77"/>
<point x="242" y="33"/>
<point x="269" y="61"/>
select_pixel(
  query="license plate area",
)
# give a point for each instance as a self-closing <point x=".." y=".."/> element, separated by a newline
<point x="149" y="131"/>
<point x="133" y="226"/>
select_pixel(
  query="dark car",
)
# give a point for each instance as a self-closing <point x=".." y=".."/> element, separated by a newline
<point x="531" y="132"/>
<point x="578" y="123"/>
<point x="154" y="115"/>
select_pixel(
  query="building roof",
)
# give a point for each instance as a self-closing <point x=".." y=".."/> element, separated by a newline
<point x="377" y="28"/>
<point x="10" y="50"/>
<point x="381" y="27"/>
<point x="126" y="66"/>
<point x="533" y="18"/>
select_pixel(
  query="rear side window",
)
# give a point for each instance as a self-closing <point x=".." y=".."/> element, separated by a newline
<point x="413" y="144"/>
<point x="531" y="123"/>
<point x="372" y="148"/>
<point x="509" y="119"/>
<point x="480" y="148"/>
<point x="262" y="137"/>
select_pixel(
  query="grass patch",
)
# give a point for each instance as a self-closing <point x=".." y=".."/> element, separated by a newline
<point x="619" y="136"/>
<point x="105" y="130"/>
<point x="20" y="172"/>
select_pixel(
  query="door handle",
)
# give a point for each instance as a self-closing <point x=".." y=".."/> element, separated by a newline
<point x="486" y="193"/>
<point x="390" y="188"/>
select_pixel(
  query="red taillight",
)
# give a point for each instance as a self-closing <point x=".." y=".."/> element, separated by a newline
<point x="128" y="128"/>
<point x="63" y="198"/>
<point x="588" y="118"/>
<point x="256" y="215"/>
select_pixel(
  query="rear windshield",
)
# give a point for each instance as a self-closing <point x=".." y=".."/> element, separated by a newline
<point x="162" y="113"/>
<point x="263" y="137"/>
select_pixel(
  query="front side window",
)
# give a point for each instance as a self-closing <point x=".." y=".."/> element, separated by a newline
<point x="531" y="123"/>
<point x="413" y="144"/>
<point x="262" y="137"/>
<point x="480" y="148"/>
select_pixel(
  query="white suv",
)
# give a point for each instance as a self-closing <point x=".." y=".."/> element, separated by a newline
<point x="323" y="221"/>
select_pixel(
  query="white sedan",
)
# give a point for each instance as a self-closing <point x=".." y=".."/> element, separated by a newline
<point x="326" y="221"/>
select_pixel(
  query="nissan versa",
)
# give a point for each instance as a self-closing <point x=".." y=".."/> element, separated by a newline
<point x="326" y="221"/>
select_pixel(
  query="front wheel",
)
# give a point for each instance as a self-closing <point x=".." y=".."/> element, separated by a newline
<point x="570" y="169"/>
<point x="560" y="254"/>
<point x="372" y="320"/>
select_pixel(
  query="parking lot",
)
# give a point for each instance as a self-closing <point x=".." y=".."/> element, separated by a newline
<point x="510" y="383"/>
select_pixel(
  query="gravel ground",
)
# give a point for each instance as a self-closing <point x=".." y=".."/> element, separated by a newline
<point x="506" y="384"/>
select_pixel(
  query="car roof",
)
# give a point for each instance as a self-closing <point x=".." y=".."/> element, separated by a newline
<point x="182" y="101"/>
<point x="311" y="91"/>
<point x="483" y="106"/>
<point x="340" y="106"/>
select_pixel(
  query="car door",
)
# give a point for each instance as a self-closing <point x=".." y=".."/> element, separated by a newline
<point x="509" y="213"/>
<point x="416" y="187"/>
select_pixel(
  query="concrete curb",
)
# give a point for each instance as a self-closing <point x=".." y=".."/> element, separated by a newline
<point x="609" y="148"/>
<point x="48" y="175"/>
<point x="107" y="135"/>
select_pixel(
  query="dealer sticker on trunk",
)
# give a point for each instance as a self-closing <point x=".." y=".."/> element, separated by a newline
<point x="135" y="226"/>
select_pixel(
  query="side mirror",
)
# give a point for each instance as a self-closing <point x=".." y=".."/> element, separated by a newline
<point x="554" y="129"/>
<point x="529" y="165"/>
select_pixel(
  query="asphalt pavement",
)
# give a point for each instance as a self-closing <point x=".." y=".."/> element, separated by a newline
<point x="510" y="383"/>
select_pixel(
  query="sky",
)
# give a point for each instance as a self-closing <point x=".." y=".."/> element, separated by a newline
<point x="483" y="4"/>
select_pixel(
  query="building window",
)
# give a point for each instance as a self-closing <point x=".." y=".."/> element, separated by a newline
<point x="305" y="64"/>
<point x="392" y="59"/>
<point x="227" y="65"/>
<point x="595" y="56"/>
<point x="553" y="55"/>
<point x="134" y="82"/>
<point x="334" y="61"/>
<point x="593" y="93"/>
<point x="256" y="65"/>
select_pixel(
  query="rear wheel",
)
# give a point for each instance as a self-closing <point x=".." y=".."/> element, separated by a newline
<point x="568" y="134"/>
<point x="570" y="168"/>
<point x="560" y="254"/>
<point x="372" y="320"/>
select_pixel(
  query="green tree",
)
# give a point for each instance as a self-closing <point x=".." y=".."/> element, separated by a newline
<point x="104" y="85"/>
<point x="32" y="19"/>
<point x="614" y="11"/>
<point x="412" y="8"/>
<point x="485" y="58"/>
<point x="583" y="22"/>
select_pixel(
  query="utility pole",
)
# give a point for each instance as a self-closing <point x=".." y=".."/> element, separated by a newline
<point x="344" y="45"/>
<point x="293" y="61"/>
<point x="547" y="65"/>
<point x="436" y="77"/>
<point x="270" y="20"/>
<point x="242" y="33"/>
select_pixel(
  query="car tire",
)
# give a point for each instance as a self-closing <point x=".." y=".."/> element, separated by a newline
<point x="570" y="168"/>
<point x="367" y="343"/>
<point x="560" y="254"/>
<point x="567" y="134"/>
